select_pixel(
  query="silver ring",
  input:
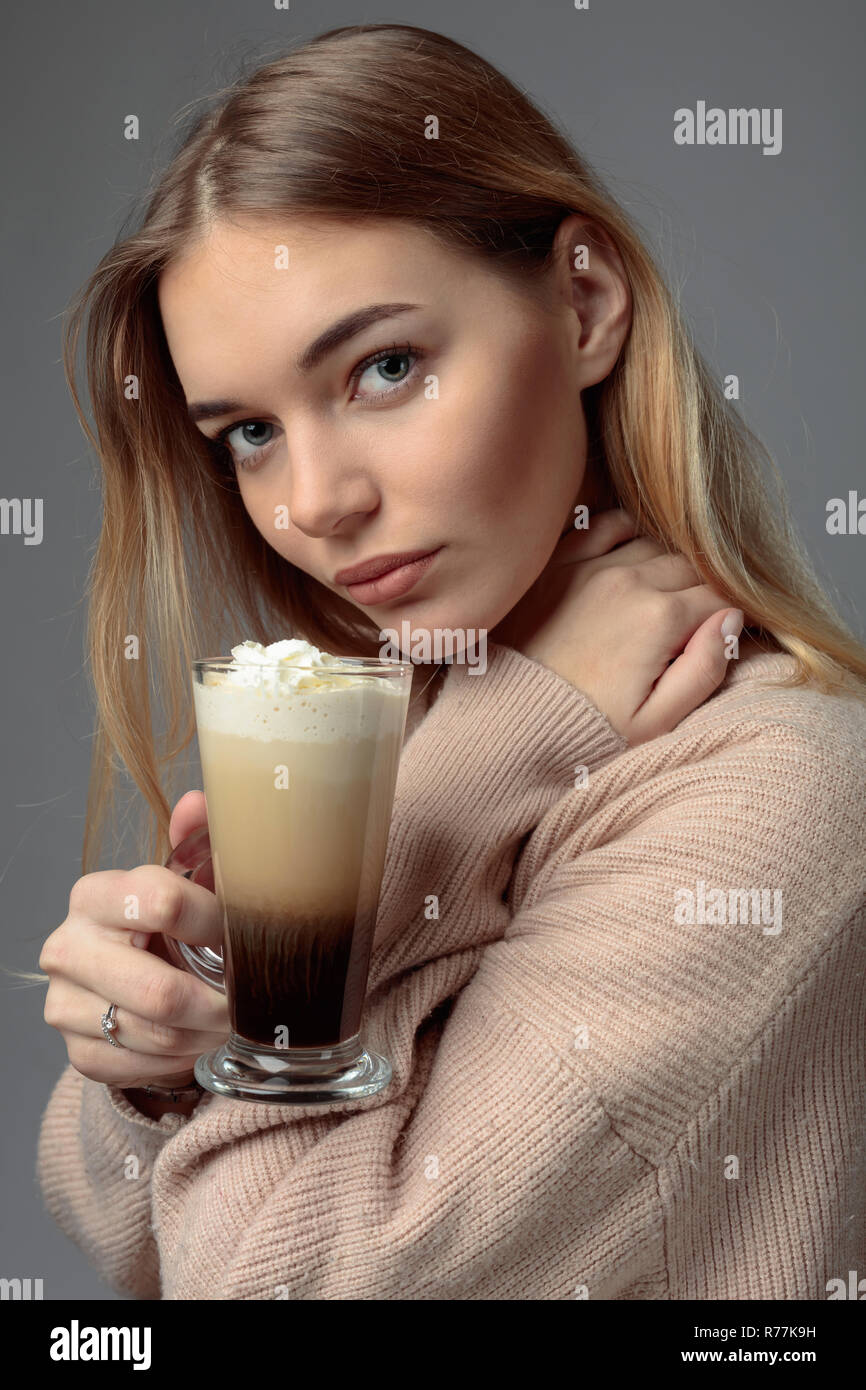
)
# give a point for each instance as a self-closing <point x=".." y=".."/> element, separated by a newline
<point x="109" y="1023"/>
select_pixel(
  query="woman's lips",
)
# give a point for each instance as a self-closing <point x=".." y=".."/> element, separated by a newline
<point x="394" y="583"/>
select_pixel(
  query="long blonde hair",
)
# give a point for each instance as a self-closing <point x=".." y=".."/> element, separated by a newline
<point x="336" y="128"/>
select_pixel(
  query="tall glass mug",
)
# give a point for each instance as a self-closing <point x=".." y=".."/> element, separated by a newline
<point x="299" y="770"/>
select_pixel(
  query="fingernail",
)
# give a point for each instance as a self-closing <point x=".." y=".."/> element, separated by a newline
<point x="733" y="623"/>
<point x="140" y="938"/>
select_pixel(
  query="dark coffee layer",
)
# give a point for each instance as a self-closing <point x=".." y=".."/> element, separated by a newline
<point x="300" y="974"/>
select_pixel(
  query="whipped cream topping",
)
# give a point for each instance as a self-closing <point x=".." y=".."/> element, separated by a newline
<point x="283" y="667"/>
<point x="291" y="690"/>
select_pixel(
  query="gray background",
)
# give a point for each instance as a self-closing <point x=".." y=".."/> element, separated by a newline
<point x="766" y="248"/>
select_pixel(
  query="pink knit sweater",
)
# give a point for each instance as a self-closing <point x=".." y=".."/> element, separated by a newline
<point x="592" y="1096"/>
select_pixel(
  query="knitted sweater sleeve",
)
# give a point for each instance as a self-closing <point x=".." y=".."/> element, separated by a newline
<point x="620" y="1101"/>
<point x="95" y="1158"/>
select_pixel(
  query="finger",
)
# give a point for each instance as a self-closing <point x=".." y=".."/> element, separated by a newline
<point x="605" y="530"/>
<point x="668" y="572"/>
<point x="73" y="1009"/>
<point x="674" y="623"/>
<point x="143" y="983"/>
<point x="189" y="813"/>
<point x="665" y="572"/>
<point x="687" y="682"/>
<point x="639" y="551"/>
<point x="114" y="1066"/>
<point x="149" y="898"/>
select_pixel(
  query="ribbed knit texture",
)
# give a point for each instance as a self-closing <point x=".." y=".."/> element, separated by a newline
<point x="590" y="1097"/>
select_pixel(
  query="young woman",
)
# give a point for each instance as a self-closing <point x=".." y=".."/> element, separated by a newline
<point x="617" y="954"/>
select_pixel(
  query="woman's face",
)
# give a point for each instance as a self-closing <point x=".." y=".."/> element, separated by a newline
<point x="466" y="437"/>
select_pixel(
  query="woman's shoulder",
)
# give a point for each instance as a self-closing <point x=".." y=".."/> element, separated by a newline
<point x="760" y="775"/>
<point x="783" y="764"/>
<point x="754" y="703"/>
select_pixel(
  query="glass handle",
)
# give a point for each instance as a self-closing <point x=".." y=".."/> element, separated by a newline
<point x="192" y="859"/>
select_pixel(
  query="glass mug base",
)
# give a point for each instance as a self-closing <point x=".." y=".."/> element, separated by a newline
<point x="292" y="1076"/>
<point x="244" y="1070"/>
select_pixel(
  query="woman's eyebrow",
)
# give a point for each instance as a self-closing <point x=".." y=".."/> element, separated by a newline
<point x="347" y="327"/>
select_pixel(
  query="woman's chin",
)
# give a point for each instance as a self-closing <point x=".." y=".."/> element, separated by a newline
<point x="432" y="637"/>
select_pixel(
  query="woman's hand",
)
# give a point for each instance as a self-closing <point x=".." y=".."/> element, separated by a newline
<point x="610" y="622"/>
<point x="99" y="955"/>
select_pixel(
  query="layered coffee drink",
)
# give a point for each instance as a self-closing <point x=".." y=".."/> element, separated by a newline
<point x="299" y="768"/>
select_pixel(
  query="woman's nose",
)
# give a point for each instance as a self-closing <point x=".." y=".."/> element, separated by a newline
<point x="320" y="488"/>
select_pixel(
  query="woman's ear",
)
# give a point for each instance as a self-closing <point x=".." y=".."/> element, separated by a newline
<point x="593" y="280"/>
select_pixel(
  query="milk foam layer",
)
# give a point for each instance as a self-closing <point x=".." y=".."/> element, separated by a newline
<point x="268" y="693"/>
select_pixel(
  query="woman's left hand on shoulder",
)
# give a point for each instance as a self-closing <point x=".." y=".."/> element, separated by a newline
<point x="634" y="627"/>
